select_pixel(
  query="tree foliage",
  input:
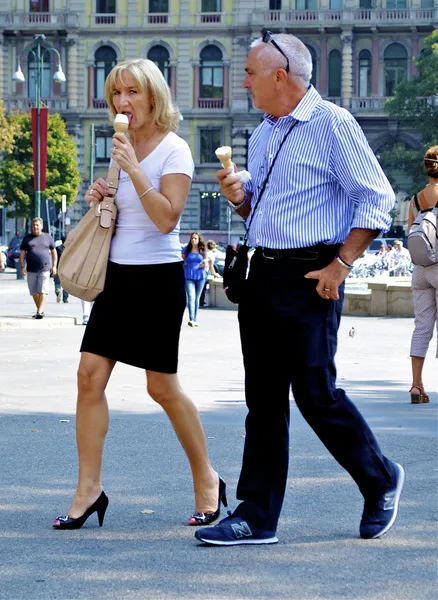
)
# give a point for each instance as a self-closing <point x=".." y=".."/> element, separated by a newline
<point x="16" y="167"/>
<point x="415" y="102"/>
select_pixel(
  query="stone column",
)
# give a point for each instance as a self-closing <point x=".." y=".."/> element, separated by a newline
<point x="347" y="69"/>
<point x="72" y="72"/>
<point x="323" y="66"/>
<point x="415" y="51"/>
<point x="375" y="67"/>
<point x="172" y="78"/>
<point x="195" y="84"/>
<point x="226" y="83"/>
<point x="90" y="66"/>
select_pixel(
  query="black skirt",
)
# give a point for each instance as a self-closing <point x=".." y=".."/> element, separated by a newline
<point x="137" y="318"/>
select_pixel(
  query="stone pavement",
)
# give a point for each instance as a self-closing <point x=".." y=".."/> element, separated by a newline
<point x="154" y="556"/>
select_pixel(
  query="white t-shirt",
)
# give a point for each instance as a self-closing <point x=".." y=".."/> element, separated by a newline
<point x="137" y="240"/>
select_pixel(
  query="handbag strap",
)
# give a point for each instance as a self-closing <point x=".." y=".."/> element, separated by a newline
<point x="245" y="239"/>
<point x="106" y="207"/>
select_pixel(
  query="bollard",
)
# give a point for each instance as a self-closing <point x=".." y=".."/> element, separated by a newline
<point x="18" y="268"/>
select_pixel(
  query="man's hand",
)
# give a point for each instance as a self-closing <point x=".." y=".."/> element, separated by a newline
<point x="231" y="185"/>
<point x="330" y="278"/>
<point x="53" y="271"/>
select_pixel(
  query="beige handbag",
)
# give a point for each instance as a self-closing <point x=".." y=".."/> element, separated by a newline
<point x="83" y="264"/>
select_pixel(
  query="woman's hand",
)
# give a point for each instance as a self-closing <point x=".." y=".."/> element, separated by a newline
<point x="123" y="153"/>
<point x="96" y="192"/>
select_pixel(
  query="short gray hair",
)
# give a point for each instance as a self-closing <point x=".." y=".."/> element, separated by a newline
<point x="300" y="59"/>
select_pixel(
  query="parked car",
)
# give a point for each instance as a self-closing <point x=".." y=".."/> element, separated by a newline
<point x="13" y="251"/>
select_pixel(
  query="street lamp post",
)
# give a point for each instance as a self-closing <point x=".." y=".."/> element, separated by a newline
<point x="59" y="77"/>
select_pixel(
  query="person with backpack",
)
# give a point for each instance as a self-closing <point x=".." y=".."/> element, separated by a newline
<point x="425" y="273"/>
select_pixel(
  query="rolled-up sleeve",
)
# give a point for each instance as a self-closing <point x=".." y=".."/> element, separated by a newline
<point x="362" y="178"/>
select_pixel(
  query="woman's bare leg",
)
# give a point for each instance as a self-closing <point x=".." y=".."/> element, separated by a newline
<point x="92" y="422"/>
<point x="417" y="373"/>
<point x="166" y="390"/>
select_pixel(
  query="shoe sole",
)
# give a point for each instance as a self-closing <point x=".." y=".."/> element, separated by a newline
<point x="273" y="540"/>
<point x="398" y="492"/>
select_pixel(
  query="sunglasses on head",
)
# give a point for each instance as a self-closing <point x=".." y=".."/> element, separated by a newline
<point x="267" y="37"/>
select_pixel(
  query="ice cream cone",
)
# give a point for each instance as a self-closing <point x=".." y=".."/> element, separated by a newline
<point x="224" y="155"/>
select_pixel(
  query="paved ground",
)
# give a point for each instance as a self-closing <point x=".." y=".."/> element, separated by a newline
<point x="137" y="556"/>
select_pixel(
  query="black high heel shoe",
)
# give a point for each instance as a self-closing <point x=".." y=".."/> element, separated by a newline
<point x="99" y="506"/>
<point x="205" y="518"/>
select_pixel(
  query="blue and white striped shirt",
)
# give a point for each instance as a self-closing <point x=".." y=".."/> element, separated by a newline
<point x="325" y="181"/>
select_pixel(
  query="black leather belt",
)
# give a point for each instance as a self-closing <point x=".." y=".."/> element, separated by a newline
<point x="311" y="253"/>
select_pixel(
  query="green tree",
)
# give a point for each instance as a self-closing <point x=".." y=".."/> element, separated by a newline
<point x="16" y="168"/>
<point x="415" y="103"/>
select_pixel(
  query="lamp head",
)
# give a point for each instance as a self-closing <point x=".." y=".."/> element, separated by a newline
<point x="59" y="76"/>
<point x="18" y="75"/>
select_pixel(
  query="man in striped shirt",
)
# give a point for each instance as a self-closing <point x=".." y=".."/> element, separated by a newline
<point x="324" y="200"/>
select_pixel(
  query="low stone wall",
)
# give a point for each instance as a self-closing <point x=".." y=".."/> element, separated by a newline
<point x="390" y="298"/>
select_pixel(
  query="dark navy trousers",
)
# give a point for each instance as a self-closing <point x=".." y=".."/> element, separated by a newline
<point x="289" y="340"/>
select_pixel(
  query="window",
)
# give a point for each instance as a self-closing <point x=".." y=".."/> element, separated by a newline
<point x="104" y="60"/>
<point x="160" y="56"/>
<point x="313" y="55"/>
<point x="364" y="83"/>
<point x="396" y="3"/>
<point x="211" y="6"/>
<point x="335" y="4"/>
<point x="210" y="210"/>
<point x="103" y="146"/>
<point x="210" y="140"/>
<point x="274" y="4"/>
<point x="334" y="74"/>
<point x="367" y="4"/>
<point x="105" y="8"/>
<point x="396" y="67"/>
<point x="426" y="3"/>
<point x="39" y="6"/>
<point x="212" y="73"/>
<point x="306" y="4"/>
<point x="46" y="87"/>
<point x="158" y="6"/>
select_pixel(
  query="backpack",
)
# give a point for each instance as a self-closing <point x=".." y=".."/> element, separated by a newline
<point x="422" y="237"/>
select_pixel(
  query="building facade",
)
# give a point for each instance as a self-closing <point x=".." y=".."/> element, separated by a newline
<point x="361" y="49"/>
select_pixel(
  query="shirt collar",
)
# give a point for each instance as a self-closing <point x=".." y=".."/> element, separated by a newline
<point x="303" y="111"/>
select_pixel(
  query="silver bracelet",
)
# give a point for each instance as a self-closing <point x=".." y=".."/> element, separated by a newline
<point x="146" y="192"/>
<point x="237" y="206"/>
<point x="343" y="263"/>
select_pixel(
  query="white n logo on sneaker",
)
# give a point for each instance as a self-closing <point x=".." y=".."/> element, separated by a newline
<point x="241" y="529"/>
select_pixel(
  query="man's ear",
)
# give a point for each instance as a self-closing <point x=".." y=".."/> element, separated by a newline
<point x="280" y="76"/>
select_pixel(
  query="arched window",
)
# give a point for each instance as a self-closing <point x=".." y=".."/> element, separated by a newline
<point x="160" y="56"/>
<point x="212" y="73"/>
<point x="334" y="74"/>
<point x="46" y="88"/>
<point x="104" y="60"/>
<point x="364" y="82"/>
<point x="314" y="73"/>
<point x="396" y="67"/>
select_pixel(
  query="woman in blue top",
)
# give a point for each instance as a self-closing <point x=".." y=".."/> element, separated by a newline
<point x="196" y="266"/>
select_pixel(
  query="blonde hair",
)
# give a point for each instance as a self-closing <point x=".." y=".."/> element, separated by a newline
<point x="431" y="161"/>
<point x="149" y="78"/>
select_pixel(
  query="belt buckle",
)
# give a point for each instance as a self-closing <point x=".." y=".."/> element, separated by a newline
<point x="268" y="257"/>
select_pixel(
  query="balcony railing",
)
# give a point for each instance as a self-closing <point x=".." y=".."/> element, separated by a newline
<point x="210" y="102"/>
<point x="156" y="19"/>
<point x="211" y="17"/>
<point x="25" y="104"/>
<point x="311" y="18"/>
<point x="368" y="104"/>
<point x="99" y="103"/>
<point x="38" y="19"/>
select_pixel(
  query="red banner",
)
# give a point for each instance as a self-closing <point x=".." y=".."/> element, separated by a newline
<point x="44" y="116"/>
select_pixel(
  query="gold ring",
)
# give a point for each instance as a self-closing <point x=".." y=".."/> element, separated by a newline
<point x="326" y="289"/>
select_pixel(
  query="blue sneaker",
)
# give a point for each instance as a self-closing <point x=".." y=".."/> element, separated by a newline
<point x="378" y="517"/>
<point x="233" y="531"/>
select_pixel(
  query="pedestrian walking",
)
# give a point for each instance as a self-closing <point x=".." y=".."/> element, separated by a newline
<point x="196" y="267"/>
<point x="424" y="286"/>
<point x="38" y="260"/>
<point x="155" y="178"/>
<point x="325" y="199"/>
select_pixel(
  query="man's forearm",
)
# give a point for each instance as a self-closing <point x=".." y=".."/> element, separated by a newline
<point x="356" y="243"/>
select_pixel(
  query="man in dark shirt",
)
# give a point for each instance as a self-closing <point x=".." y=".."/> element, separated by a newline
<point x="38" y="250"/>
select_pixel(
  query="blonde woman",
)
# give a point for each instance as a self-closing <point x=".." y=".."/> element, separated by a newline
<point x="155" y="178"/>
<point x="424" y="286"/>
